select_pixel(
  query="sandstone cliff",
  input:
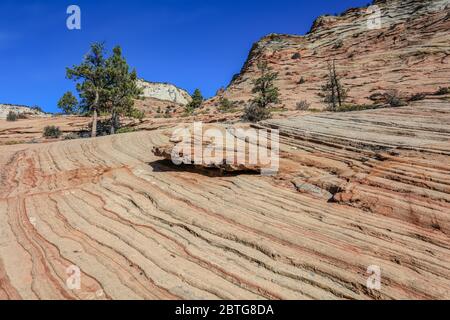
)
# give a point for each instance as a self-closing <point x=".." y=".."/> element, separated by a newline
<point x="409" y="52"/>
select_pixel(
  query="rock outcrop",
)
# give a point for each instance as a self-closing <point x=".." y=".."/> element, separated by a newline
<point x="410" y="52"/>
<point x="164" y="91"/>
<point x="19" y="109"/>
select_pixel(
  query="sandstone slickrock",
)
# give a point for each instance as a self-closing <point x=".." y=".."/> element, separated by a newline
<point x="141" y="228"/>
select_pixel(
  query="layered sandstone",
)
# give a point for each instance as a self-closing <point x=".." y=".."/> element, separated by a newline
<point x="139" y="227"/>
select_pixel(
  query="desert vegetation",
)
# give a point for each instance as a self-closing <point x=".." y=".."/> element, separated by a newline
<point x="393" y="99"/>
<point x="303" y="105"/>
<point x="105" y="85"/>
<point x="52" y="132"/>
<point x="12" y="116"/>
<point x="226" y="105"/>
<point x="196" y="103"/>
<point x="443" y="91"/>
<point x="333" y="91"/>
<point x="266" y="95"/>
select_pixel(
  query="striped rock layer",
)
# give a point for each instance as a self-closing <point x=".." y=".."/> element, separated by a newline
<point x="137" y="227"/>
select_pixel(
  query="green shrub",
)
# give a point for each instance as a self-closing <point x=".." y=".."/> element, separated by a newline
<point x="14" y="142"/>
<point x="137" y="114"/>
<point x="296" y="56"/>
<point x="189" y="109"/>
<point x="393" y="99"/>
<point x="225" y="105"/>
<point x="301" y="81"/>
<point x="71" y="136"/>
<point x="196" y="103"/>
<point x="338" y="44"/>
<point x="417" y="97"/>
<point x="125" y="130"/>
<point x="267" y="95"/>
<point x="254" y="113"/>
<point x="442" y="91"/>
<point x="52" y="132"/>
<point x="303" y="105"/>
<point x="12" y="116"/>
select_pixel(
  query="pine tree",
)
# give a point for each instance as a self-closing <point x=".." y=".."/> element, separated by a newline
<point x="334" y="92"/>
<point x="91" y="80"/>
<point x="122" y="89"/>
<point x="197" y="100"/>
<point x="267" y="92"/>
<point x="68" y="103"/>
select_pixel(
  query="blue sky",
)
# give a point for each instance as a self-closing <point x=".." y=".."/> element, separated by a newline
<point x="189" y="43"/>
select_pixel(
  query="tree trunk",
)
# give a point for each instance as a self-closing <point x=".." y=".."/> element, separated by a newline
<point x="113" y="122"/>
<point x="337" y="84"/>
<point x="94" y="116"/>
<point x="94" y="124"/>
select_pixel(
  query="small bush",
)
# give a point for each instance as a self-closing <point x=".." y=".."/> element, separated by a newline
<point x="71" y="136"/>
<point x="301" y="81"/>
<point x="254" y="113"/>
<point x="303" y="105"/>
<point x="296" y="56"/>
<point x="417" y="97"/>
<point x="52" y="132"/>
<point x="394" y="100"/>
<point x="137" y="114"/>
<point x="442" y="91"/>
<point x="338" y="44"/>
<point x="125" y="130"/>
<point x="12" y="116"/>
<point x="225" y="105"/>
<point x="14" y="142"/>
<point x="189" y="109"/>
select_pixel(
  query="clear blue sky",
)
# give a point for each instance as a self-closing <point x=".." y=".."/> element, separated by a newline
<point x="185" y="42"/>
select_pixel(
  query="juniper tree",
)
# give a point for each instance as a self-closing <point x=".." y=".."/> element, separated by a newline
<point x="122" y="89"/>
<point x="267" y="94"/>
<point x="197" y="100"/>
